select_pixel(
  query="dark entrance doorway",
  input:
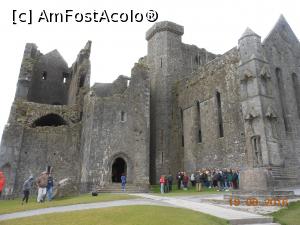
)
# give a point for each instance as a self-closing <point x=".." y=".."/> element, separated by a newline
<point x="118" y="168"/>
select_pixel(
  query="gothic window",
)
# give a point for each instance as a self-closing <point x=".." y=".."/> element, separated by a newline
<point x="44" y="75"/>
<point x="296" y="92"/>
<point x="219" y="111"/>
<point x="81" y="81"/>
<point x="65" y="76"/>
<point x="256" y="148"/>
<point x="282" y="98"/>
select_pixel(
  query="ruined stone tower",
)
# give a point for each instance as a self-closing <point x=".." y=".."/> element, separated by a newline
<point x="183" y="108"/>
<point x="169" y="61"/>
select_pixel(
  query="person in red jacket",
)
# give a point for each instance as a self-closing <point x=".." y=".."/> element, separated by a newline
<point x="185" y="181"/>
<point x="2" y="182"/>
<point x="162" y="183"/>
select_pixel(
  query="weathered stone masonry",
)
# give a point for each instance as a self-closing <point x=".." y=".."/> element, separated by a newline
<point x="183" y="108"/>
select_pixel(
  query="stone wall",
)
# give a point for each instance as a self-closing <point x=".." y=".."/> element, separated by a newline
<point x="282" y="51"/>
<point x="169" y="60"/>
<point x="30" y="148"/>
<point x="117" y="126"/>
<point x="197" y="109"/>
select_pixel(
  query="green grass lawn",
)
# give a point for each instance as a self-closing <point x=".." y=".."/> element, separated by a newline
<point x="9" y="206"/>
<point x="125" y="215"/>
<point x="155" y="189"/>
<point x="289" y="215"/>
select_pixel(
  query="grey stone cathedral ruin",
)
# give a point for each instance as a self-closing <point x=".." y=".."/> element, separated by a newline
<point x="183" y="108"/>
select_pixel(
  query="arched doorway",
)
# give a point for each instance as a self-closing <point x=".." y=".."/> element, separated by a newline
<point x="119" y="167"/>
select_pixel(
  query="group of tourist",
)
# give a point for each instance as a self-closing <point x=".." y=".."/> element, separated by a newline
<point x="166" y="182"/>
<point x="220" y="179"/>
<point x="44" y="183"/>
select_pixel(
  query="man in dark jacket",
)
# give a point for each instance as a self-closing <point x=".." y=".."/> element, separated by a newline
<point x="179" y="177"/>
<point x="170" y="182"/>
<point x="26" y="189"/>
<point x="50" y="187"/>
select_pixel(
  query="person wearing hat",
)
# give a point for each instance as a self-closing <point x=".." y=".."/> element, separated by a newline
<point x="26" y="189"/>
<point x="2" y="182"/>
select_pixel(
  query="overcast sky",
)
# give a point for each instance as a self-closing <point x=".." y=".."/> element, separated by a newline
<point x="215" y="25"/>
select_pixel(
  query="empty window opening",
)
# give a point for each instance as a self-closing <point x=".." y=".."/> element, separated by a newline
<point x="162" y="157"/>
<point x="199" y="122"/>
<point x="49" y="120"/>
<point x="65" y="76"/>
<point x="160" y="62"/>
<point x="119" y="168"/>
<point x="181" y="120"/>
<point x="123" y="116"/>
<point x="219" y="109"/>
<point x="44" y="75"/>
<point x="197" y="60"/>
<point x="81" y="81"/>
<point x="199" y="136"/>
<point x="282" y="98"/>
<point x="297" y="92"/>
<point x="257" y="154"/>
<point x="128" y="83"/>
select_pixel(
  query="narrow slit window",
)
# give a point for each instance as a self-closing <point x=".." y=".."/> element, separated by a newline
<point x="296" y="92"/>
<point x="199" y="122"/>
<point x="282" y="98"/>
<point x="44" y="75"/>
<point x="123" y="116"/>
<point x="181" y="120"/>
<point x="160" y="62"/>
<point x="219" y="111"/>
<point x="162" y="157"/>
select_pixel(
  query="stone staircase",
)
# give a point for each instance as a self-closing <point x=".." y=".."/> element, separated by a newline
<point x="116" y="188"/>
<point x="284" y="176"/>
